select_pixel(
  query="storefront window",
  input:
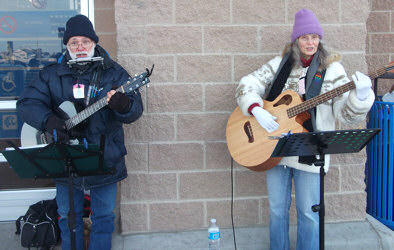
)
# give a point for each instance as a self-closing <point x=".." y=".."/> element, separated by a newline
<point x="31" y="34"/>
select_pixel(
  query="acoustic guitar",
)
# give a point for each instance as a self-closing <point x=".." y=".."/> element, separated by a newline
<point x="251" y="146"/>
<point x="31" y="136"/>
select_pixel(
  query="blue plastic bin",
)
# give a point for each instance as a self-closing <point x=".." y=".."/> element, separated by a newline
<point x="380" y="164"/>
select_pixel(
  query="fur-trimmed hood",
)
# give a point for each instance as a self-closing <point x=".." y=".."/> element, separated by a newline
<point x="333" y="56"/>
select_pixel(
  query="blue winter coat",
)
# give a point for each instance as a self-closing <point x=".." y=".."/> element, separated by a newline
<point x="54" y="85"/>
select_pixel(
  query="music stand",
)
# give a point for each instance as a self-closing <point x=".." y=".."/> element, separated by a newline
<point x="59" y="160"/>
<point x="320" y="144"/>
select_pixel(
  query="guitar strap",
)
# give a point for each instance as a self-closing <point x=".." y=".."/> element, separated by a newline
<point x="280" y="77"/>
<point x="313" y="83"/>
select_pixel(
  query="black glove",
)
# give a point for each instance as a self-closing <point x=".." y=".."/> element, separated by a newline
<point x="119" y="102"/>
<point x="55" y="123"/>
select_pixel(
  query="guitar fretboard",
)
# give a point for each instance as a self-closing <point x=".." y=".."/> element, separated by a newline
<point x="313" y="102"/>
<point x="87" y="112"/>
<point x="132" y="84"/>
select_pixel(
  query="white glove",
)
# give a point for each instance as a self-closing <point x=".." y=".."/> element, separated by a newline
<point x="265" y="119"/>
<point x="363" y="85"/>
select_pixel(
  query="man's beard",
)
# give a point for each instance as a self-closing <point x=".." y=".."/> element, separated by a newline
<point x="86" y="53"/>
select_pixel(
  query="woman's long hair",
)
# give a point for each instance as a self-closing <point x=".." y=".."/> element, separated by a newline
<point x="296" y="53"/>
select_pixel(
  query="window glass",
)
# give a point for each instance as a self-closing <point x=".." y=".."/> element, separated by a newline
<point x="31" y="33"/>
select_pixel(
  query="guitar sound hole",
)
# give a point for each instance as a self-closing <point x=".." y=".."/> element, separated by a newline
<point x="286" y="99"/>
<point x="248" y="131"/>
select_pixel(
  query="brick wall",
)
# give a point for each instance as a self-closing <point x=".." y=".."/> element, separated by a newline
<point x="178" y="163"/>
<point x="380" y="45"/>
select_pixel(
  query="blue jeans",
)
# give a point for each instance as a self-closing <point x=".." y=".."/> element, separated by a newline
<point x="102" y="203"/>
<point x="307" y="194"/>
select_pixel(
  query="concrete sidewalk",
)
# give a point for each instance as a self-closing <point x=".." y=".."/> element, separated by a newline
<point x="369" y="234"/>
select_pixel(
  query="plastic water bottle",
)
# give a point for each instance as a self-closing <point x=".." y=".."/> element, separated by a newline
<point x="213" y="236"/>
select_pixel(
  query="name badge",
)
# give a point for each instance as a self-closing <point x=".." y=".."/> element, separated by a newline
<point x="79" y="91"/>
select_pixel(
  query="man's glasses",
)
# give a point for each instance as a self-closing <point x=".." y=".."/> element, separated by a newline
<point x="84" y="43"/>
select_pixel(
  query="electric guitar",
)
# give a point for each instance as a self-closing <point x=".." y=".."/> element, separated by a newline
<point x="250" y="145"/>
<point x="31" y="136"/>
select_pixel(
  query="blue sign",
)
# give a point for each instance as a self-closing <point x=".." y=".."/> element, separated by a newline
<point x="11" y="80"/>
<point x="28" y="24"/>
<point x="11" y="125"/>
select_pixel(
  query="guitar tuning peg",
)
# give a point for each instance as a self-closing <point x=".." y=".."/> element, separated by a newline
<point x="135" y="75"/>
<point x="147" y="85"/>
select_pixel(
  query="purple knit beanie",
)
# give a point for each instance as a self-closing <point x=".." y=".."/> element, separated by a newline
<point x="305" y="22"/>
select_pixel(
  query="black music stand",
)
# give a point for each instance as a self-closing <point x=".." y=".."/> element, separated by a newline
<point x="59" y="160"/>
<point x="320" y="144"/>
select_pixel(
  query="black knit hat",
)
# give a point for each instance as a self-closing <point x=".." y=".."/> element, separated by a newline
<point x="79" y="25"/>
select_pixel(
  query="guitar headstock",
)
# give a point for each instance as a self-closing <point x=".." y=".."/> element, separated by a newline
<point x="389" y="67"/>
<point x="136" y="82"/>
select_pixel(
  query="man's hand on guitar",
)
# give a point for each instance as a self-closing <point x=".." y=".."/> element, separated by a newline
<point x="55" y="123"/>
<point x="363" y="85"/>
<point x="265" y="119"/>
<point x="118" y="101"/>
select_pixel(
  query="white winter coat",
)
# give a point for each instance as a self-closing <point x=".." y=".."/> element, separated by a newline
<point x="346" y="108"/>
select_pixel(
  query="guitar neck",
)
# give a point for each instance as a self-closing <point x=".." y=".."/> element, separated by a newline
<point x="313" y="102"/>
<point x="132" y="84"/>
<point x="86" y="113"/>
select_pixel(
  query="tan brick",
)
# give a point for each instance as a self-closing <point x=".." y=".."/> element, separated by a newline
<point x="176" y="216"/>
<point x="174" y="40"/>
<point x="349" y="15"/>
<point x="137" y="158"/>
<point x="175" y="98"/>
<point x="274" y="38"/>
<point x="162" y="72"/>
<point x="202" y="11"/>
<point x="344" y="37"/>
<point x="375" y="62"/>
<point x="384" y="85"/>
<point x="353" y="63"/>
<point x="173" y="157"/>
<point x="131" y="39"/>
<point x="326" y="11"/>
<point x="344" y="207"/>
<point x="250" y="183"/>
<point x="99" y="4"/>
<point x="332" y="180"/>
<point x="246" y="212"/>
<point x="105" y="20"/>
<point x="150" y="128"/>
<point x="137" y="218"/>
<point x="221" y="39"/>
<point x="201" y="127"/>
<point x="217" y="155"/>
<point x="204" y="185"/>
<point x="107" y="42"/>
<point x="378" y="22"/>
<point x="143" y="12"/>
<point x="392" y="24"/>
<point x="145" y="187"/>
<point x="382" y="43"/>
<point x="256" y="12"/>
<point x="352" y="177"/>
<point x="382" y="5"/>
<point x="246" y="64"/>
<point x="204" y="68"/>
<point x="349" y="159"/>
<point x="220" y="97"/>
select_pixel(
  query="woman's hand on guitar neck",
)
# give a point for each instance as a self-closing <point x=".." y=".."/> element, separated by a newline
<point x="265" y="119"/>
